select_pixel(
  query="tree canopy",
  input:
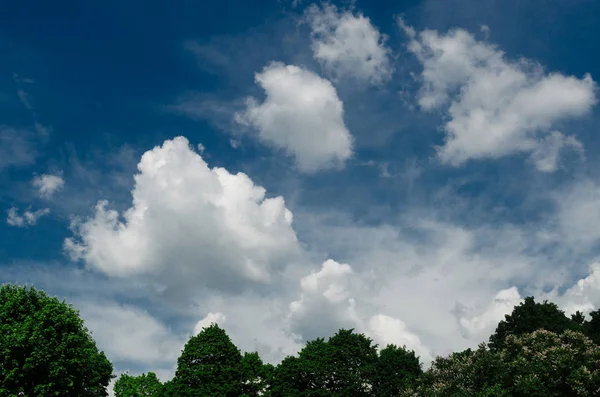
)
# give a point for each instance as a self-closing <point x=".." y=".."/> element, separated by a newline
<point x="530" y="316"/>
<point x="536" y="351"/>
<point x="209" y="365"/>
<point x="45" y="350"/>
<point x="145" y="385"/>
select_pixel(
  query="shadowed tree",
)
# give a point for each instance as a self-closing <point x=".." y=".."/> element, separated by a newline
<point x="290" y="378"/>
<point x="45" y="350"/>
<point x="256" y="376"/>
<point x="397" y="369"/>
<point x="530" y="316"/>
<point x="342" y="366"/>
<point x="209" y="365"/>
<point x="591" y="328"/>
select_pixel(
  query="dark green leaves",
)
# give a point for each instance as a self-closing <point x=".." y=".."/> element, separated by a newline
<point x="210" y="365"/>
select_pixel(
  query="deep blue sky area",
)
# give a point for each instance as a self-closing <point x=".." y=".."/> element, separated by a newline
<point x="87" y="87"/>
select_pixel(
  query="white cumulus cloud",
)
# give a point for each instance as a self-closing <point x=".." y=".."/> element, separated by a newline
<point x="480" y="326"/>
<point x="387" y="330"/>
<point x="28" y="218"/>
<point x="211" y="318"/>
<point x="495" y="106"/>
<point x="325" y="304"/>
<point x="334" y="298"/>
<point x="348" y="45"/>
<point x="301" y="115"/>
<point x="48" y="184"/>
<point x="189" y="225"/>
<point x="584" y="295"/>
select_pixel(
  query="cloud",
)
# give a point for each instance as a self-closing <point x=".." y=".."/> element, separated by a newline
<point x="325" y="304"/>
<point x="547" y="154"/>
<point x="48" y="184"/>
<point x="584" y="295"/>
<point x="577" y="214"/>
<point x="334" y="297"/>
<point x="302" y="115"/>
<point x="211" y="318"/>
<point x="188" y="225"/>
<point x="131" y="336"/>
<point x="495" y="107"/>
<point x="348" y="45"/>
<point x="17" y="147"/>
<point x="23" y="96"/>
<point x="389" y="330"/>
<point x="28" y="218"/>
<point x="482" y="325"/>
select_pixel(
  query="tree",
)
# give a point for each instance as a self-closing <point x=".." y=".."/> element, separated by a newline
<point x="396" y="369"/>
<point x="290" y="378"/>
<point x="477" y="373"/>
<point x="530" y="316"/>
<point x="539" y="364"/>
<point x="256" y="376"/>
<point x="145" y="385"/>
<point x="209" y="365"/>
<point x="45" y="350"/>
<point x="547" y="364"/>
<point x="591" y="328"/>
<point x="342" y="366"/>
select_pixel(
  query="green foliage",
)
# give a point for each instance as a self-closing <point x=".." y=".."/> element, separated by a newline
<point x="546" y="364"/>
<point x="591" y="328"/>
<point x="469" y="373"/>
<point x="209" y="366"/>
<point x="537" y="351"/>
<point x="290" y="378"/>
<point x="342" y="366"/>
<point x="539" y="364"/>
<point x="397" y="369"/>
<point x="528" y="317"/>
<point x="145" y="385"/>
<point x="45" y="350"/>
<point x="256" y="376"/>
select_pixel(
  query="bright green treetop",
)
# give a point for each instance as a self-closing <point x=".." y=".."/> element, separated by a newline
<point x="45" y="350"/>
<point x="145" y="385"/>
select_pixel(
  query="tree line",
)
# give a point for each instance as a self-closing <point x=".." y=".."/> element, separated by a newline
<point x="537" y="350"/>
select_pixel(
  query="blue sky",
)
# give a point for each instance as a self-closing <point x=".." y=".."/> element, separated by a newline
<point x="411" y="169"/>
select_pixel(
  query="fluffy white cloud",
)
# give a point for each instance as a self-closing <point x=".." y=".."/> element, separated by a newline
<point x="48" y="184"/>
<point x="325" y="304"/>
<point x="188" y="225"/>
<point x="328" y="303"/>
<point x="418" y="269"/>
<point x="28" y="218"/>
<point x="584" y="295"/>
<point x="302" y="115"/>
<point x="211" y="318"/>
<point x="387" y="330"/>
<point x="348" y="45"/>
<point x="495" y="106"/>
<point x="480" y="326"/>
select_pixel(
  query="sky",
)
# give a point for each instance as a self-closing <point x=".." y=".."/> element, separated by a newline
<point x="408" y="169"/>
